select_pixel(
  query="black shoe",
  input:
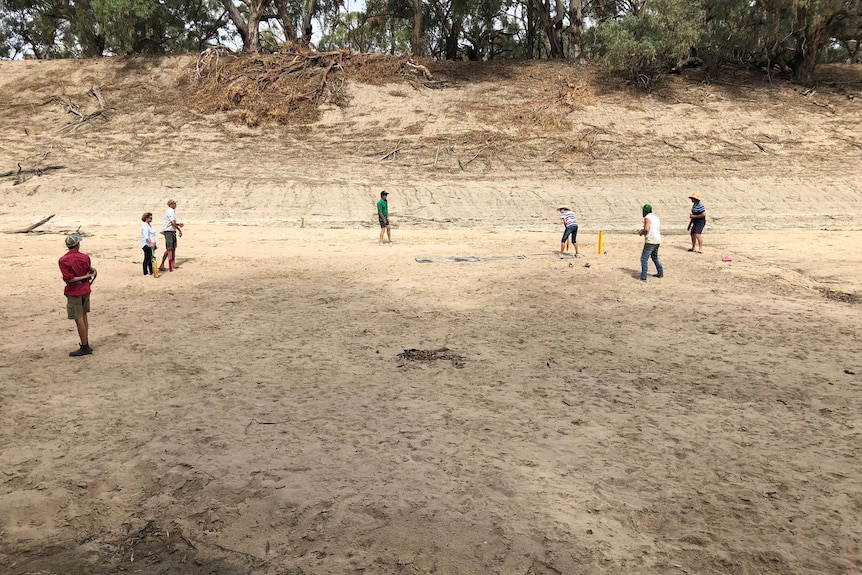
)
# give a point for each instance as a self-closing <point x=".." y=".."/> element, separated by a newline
<point x="658" y="276"/>
<point x="83" y="350"/>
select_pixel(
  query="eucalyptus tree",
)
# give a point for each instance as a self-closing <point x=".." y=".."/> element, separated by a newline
<point x="650" y="37"/>
<point x="52" y="28"/>
<point x="787" y="36"/>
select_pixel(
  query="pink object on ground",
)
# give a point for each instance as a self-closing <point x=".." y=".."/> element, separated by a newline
<point x="726" y="259"/>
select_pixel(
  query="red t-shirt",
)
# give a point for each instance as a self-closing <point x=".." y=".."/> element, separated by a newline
<point x="72" y="265"/>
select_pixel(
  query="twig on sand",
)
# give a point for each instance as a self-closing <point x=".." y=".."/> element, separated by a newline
<point x="253" y="421"/>
<point x="476" y="155"/>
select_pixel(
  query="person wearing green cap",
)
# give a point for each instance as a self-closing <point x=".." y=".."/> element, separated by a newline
<point x="651" y="232"/>
<point x="77" y="273"/>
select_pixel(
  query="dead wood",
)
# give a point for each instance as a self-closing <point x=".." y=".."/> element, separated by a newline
<point x="72" y="127"/>
<point x="33" y="171"/>
<point x="29" y="229"/>
<point x="397" y="148"/>
<point x="96" y="93"/>
<point x="827" y="106"/>
<point x="674" y="146"/>
<point x="419" y="68"/>
<point x="70" y="106"/>
<point x="476" y="155"/>
<point x="761" y="147"/>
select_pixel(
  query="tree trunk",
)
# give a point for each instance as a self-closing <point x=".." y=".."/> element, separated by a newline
<point x="309" y="9"/>
<point x="548" y="25"/>
<point x="576" y="30"/>
<point x="248" y="30"/>
<point x="287" y="23"/>
<point x="416" y="41"/>
<point x="804" y="59"/>
<point x="236" y="17"/>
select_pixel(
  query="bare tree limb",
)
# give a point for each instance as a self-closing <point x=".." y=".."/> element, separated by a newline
<point x="29" y="229"/>
<point x="393" y="152"/>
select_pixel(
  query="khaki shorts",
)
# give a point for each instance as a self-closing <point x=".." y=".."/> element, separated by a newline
<point x="170" y="240"/>
<point x="77" y="305"/>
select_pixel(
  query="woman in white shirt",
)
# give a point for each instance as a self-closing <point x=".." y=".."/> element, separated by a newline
<point x="148" y="242"/>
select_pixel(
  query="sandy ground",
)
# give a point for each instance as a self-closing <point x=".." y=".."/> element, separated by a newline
<point x="256" y="410"/>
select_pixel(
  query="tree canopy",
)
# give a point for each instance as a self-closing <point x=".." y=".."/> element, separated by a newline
<point x="640" y="38"/>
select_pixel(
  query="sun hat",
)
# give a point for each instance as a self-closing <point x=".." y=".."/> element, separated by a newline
<point x="694" y="196"/>
<point x="564" y="207"/>
<point x="72" y="240"/>
<point x="647" y="207"/>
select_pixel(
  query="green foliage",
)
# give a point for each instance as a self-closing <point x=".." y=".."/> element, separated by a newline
<point x="643" y="46"/>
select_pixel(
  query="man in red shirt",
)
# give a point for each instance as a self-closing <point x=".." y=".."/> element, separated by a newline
<point x="77" y="273"/>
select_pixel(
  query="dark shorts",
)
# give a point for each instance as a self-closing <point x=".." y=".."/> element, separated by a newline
<point x="383" y="223"/>
<point x="77" y="305"/>
<point x="170" y="240"/>
<point x="698" y="225"/>
<point x="570" y="231"/>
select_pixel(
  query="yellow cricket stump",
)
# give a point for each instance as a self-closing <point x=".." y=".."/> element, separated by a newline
<point x="601" y="238"/>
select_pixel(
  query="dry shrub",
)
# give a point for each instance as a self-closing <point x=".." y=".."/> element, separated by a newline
<point x="285" y="88"/>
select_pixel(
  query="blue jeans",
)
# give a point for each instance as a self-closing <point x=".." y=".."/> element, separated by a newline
<point x="651" y="251"/>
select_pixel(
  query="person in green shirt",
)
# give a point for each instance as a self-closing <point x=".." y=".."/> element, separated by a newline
<point x="383" y="217"/>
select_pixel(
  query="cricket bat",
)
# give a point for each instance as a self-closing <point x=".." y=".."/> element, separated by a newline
<point x="155" y="265"/>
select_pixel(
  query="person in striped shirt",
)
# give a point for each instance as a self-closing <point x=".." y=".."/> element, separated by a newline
<point x="571" y="225"/>
<point x="696" y="223"/>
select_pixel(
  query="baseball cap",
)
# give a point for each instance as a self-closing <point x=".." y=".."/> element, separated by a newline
<point x="72" y="240"/>
<point x="384" y="193"/>
<point x="647" y="207"/>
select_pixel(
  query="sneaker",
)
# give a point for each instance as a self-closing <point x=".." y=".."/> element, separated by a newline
<point x="82" y="350"/>
<point x="578" y="256"/>
<point x="657" y="276"/>
<point x="562" y="256"/>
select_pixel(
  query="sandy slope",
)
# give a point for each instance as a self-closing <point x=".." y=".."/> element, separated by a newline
<point x="252" y="412"/>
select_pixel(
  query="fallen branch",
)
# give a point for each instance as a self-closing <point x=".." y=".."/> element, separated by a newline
<point x="84" y="120"/>
<point x="29" y="229"/>
<point x="674" y="146"/>
<point x="476" y="155"/>
<point x="761" y="147"/>
<point x="33" y="171"/>
<point x="71" y="107"/>
<point x="827" y="106"/>
<point x="418" y="68"/>
<point x="98" y="95"/>
<point x="397" y="148"/>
